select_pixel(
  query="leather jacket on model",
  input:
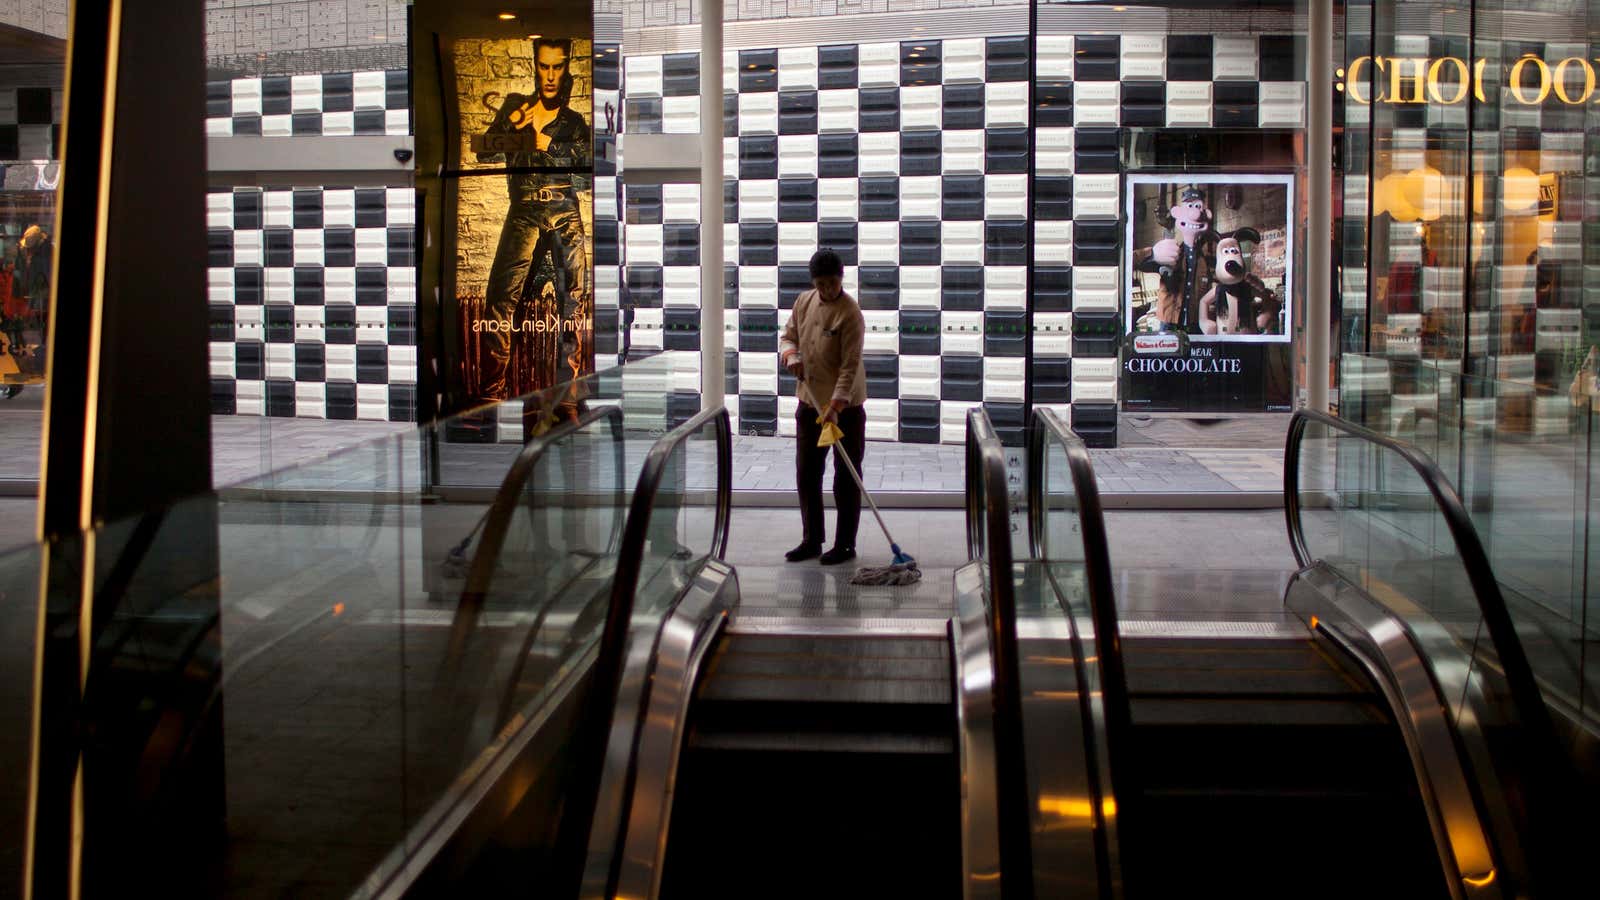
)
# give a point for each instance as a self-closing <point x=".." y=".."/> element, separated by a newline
<point x="570" y="146"/>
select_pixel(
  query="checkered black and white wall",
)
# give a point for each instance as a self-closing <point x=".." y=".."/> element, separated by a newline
<point x="30" y="123"/>
<point x="340" y="103"/>
<point x="910" y="159"/>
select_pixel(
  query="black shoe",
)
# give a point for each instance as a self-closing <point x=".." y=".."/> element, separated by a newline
<point x="804" y="552"/>
<point x="838" y="555"/>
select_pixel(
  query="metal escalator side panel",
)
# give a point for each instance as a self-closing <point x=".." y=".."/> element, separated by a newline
<point x="974" y="672"/>
<point x="628" y="836"/>
<point x="1479" y="861"/>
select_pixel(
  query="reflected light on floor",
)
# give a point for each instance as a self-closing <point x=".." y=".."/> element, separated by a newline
<point x="1074" y="807"/>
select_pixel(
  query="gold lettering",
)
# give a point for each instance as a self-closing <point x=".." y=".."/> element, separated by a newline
<point x="1354" y="79"/>
<point x="1397" y="75"/>
<point x="1477" y="79"/>
<point x="1561" y="80"/>
<point x="1380" y="64"/>
<point x="1516" y="79"/>
<point x="1433" y="80"/>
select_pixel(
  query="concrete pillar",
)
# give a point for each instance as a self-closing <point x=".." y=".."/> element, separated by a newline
<point x="713" y="367"/>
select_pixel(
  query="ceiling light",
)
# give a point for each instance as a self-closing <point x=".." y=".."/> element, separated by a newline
<point x="506" y="17"/>
<point x="534" y="37"/>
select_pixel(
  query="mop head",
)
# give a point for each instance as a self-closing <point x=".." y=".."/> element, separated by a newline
<point x="893" y="575"/>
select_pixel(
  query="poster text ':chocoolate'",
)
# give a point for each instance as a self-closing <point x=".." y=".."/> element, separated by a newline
<point x="1444" y="80"/>
<point x="1190" y="366"/>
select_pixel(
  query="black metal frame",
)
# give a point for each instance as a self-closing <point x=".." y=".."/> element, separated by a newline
<point x="1115" y="702"/>
<point x="1544" y="764"/>
<point x="600" y="704"/>
<point x="986" y="466"/>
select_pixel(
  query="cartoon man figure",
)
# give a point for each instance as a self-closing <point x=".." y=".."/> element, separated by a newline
<point x="552" y="137"/>
<point x="1181" y="263"/>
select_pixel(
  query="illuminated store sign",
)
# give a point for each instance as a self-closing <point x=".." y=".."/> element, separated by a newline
<point x="1444" y="80"/>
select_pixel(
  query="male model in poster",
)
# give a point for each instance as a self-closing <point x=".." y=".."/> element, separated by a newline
<point x="554" y="143"/>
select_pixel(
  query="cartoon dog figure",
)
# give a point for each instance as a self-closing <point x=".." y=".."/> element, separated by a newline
<point x="1230" y="306"/>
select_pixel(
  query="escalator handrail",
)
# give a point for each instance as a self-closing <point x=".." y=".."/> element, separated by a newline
<point x="1513" y="659"/>
<point x="1115" y="701"/>
<point x="986" y="461"/>
<point x="594" y="727"/>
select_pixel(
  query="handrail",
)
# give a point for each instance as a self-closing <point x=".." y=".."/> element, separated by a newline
<point x="974" y="483"/>
<point x="594" y="727"/>
<point x="1115" y="702"/>
<point x="498" y="520"/>
<point x="986" y="460"/>
<point x="1546" y="758"/>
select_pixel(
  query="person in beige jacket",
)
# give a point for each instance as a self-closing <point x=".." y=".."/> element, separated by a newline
<point x="822" y="345"/>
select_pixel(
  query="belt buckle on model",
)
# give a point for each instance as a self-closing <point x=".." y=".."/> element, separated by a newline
<point x="547" y="195"/>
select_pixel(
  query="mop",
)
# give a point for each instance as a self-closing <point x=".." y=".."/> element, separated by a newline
<point x="903" y="569"/>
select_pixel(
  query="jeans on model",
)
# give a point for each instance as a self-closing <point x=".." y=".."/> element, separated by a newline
<point x="527" y="222"/>
<point x="809" y="461"/>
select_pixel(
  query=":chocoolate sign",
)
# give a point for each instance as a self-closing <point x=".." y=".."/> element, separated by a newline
<point x="1445" y="80"/>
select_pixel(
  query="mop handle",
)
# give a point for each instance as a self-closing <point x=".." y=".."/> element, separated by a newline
<point x="851" y="467"/>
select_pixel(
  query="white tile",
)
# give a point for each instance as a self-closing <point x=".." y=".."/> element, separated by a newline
<point x="1095" y="288"/>
<point x="680" y="115"/>
<point x="1096" y="103"/>
<point x="645" y="244"/>
<point x="277" y="209"/>
<point x="838" y="199"/>
<point x="372" y="402"/>
<point x="339" y="208"/>
<point x="1053" y="151"/>
<point x="1234" y="57"/>
<point x="758" y="287"/>
<point x="278" y="286"/>
<point x="921" y="108"/>
<point x="961" y="243"/>
<point x="920" y="197"/>
<point x="962" y="152"/>
<point x="222" y="359"/>
<point x="878" y="65"/>
<point x="219" y="285"/>
<point x="1005" y="287"/>
<point x="1005" y="197"/>
<point x="1055" y="57"/>
<point x="310" y="324"/>
<point x="277" y="126"/>
<point x="838" y="111"/>
<point x="681" y="286"/>
<point x="247" y="96"/>
<point x="219" y="127"/>
<point x="758" y="113"/>
<point x="308" y="246"/>
<point x="339" y="286"/>
<point x="920" y="287"/>
<point x="758" y="202"/>
<point x="1283" y="104"/>
<point x="1003" y="379"/>
<point x="797" y="156"/>
<point x="305" y="93"/>
<point x="370" y="90"/>
<point x="878" y="153"/>
<point x="402" y="287"/>
<point x="796" y="242"/>
<point x="1005" y="104"/>
<point x="341" y="363"/>
<point x="1052" y="245"/>
<point x="963" y="61"/>
<point x="1052" y="334"/>
<point x="797" y="69"/>
<point x="219" y="210"/>
<point x="311" y="400"/>
<point x="1144" y="57"/>
<point x="1189" y="103"/>
<point x="680" y="203"/>
<point x="642" y="76"/>
<point x="1095" y="196"/>
<point x="878" y="243"/>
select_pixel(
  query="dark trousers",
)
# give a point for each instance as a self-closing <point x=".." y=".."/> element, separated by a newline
<point x="809" y="461"/>
<point x="526" y="223"/>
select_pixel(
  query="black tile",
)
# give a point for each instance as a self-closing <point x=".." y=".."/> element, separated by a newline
<point x="371" y="121"/>
<point x="339" y="324"/>
<point x="758" y="330"/>
<point x="277" y="96"/>
<point x="219" y="247"/>
<point x="961" y="288"/>
<point x="246" y="210"/>
<point x="880" y="109"/>
<point x="1097" y="151"/>
<point x="730" y="115"/>
<point x="961" y="378"/>
<point x="304" y="124"/>
<point x="10" y="142"/>
<point x="402" y="326"/>
<point x="758" y="243"/>
<point x="243" y="126"/>
<point x="1006" y="59"/>
<point x="838" y="155"/>
<point x="1005" y="150"/>
<point x="643" y="116"/>
<point x="608" y="67"/>
<point x="1005" y="243"/>
<point x="1235" y="104"/>
<point x="402" y="246"/>
<point x="221" y="322"/>
<point x="1097" y="58"/>
<point x="309" y="362"/>
<point x="758" y="157"/>
<point x="792" y="282"/>
<point x="1051" y="380"/>
<point x="919" y="63"/>
<point x="797" y="200"/>
<point x="758" y="71"/>
<point x="1053" y="101"/>
<point x="402" y="403"/>
<point x="372" y="207"/>
<point x="339" y="247"/>
<point x="962" y="197"/>
<point x="644" y="286"/>
<point x="797" y="112"/>
<point x="606" y="246"/>
<point x="681" y="244"/>
<point x="280" y="399"/>
<point x="219" y="99"/>
<point x="680" y="75"/>
<point x="919" y="153"/>
<point x="1052" y="197"/>
<point x="642" y="204"/>
<point x="1005" y="333"/>
<point x="308" y="286"/>
<point x="963" y="106"/>
<point x="372" y="364"/>
<point x="730" y="285"/>
<point x="730" y="202"/>
<point x="308" y="208"/>
<point x="278" y="324"/>
<point x="372" y="286"/>
<point x="879" y="287"/>
<point x="279" y="245"/>
<point x="919" y="243"/>
<point x="837" y="67"/>
<point x="880" y="198"/>
<point x="1094" y="243"/>
<point x="247" y="287"/>
<point x="1189" y="57"/>
<point x="396" y="89"/>
<point x="247" y="363"/>
<point x="841" y="237"/>
<point x="1283" y="57"/>
<point x="1144" y="104"/>
<point x="1052" y="288"/>
<point x="341" y="400"/>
